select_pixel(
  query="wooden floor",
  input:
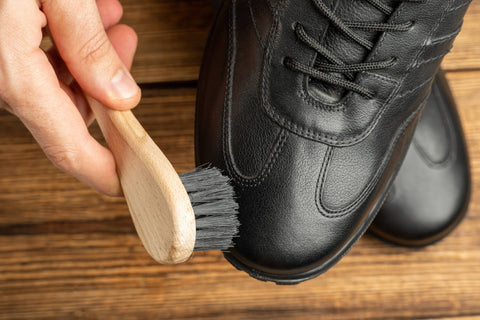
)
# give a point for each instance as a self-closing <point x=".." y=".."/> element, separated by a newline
<point x="66" y="252"/>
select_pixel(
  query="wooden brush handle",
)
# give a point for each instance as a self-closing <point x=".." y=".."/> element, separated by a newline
<point x="158" y="202"/>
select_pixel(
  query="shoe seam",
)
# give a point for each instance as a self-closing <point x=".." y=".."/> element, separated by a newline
<point x="330" y="213"/>
<point x="423" y="62"/>
<point x="255" y="26"/>
<point x="342" y="105"/>
<point x="406" y="93"/>
<point x="281" y="137"/>
<point x="266" y="168"/>
<point x="419" y="53"/>
<point x="466" y="3"/>
<point x="451" y="143"/>
<point x="446" y="38"/>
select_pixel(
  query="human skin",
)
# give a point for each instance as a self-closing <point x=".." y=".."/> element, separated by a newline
<point x="45" y="90"/>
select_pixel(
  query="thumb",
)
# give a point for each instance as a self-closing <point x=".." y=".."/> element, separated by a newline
<point x="83" y="44"/>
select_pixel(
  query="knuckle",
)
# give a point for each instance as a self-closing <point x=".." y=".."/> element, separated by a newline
<point x="66" y="158"/>
<point x="95" y="48"/>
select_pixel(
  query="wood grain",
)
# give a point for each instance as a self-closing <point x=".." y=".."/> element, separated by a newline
<point x="172" y="34"/>
<point x="465" y="54"/>
<point x="67" y="252"/>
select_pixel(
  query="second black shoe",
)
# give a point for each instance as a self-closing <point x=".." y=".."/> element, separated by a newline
<point x="309" y="106"/>
<point x="431" y="191"/>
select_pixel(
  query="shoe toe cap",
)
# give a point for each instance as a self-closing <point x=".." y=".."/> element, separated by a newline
<point x="287" y="234"/>
<point x="425" y="202"/>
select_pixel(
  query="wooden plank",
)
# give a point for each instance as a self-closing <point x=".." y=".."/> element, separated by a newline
<point x="456" y="318"/>
<point x="66" y="252"/>
<point x="465" y="54"/>
<point x="108" y="277"/>
<point x="172" y="34"/>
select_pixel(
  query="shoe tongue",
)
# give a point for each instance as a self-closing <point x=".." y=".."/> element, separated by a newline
<point x="344" y="47"/>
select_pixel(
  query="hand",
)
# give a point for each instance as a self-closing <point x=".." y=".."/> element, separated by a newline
<point x="44" y="89"/>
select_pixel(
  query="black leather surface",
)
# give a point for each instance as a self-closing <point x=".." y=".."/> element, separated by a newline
<point x="431" y="192"/>
<point x="311" y="164"/>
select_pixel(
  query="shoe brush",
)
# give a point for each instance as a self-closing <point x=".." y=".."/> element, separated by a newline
<point x="173" y="215"/>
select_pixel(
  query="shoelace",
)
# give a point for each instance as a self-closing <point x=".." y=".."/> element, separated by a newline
<point x="336" y="65"/>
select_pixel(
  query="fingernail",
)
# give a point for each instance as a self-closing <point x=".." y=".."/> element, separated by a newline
<point x="123" y="86"/>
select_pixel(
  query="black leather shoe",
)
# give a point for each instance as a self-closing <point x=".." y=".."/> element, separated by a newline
<point x="431" y="192"/>
<point x="309" y="106"/>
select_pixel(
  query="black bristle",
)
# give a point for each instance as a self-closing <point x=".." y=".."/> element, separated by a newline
<point x="215" y="207"/>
